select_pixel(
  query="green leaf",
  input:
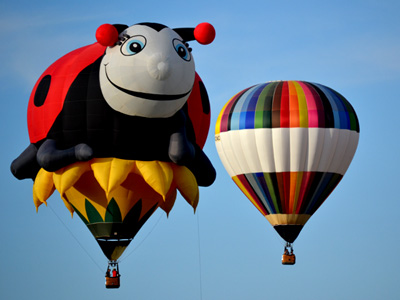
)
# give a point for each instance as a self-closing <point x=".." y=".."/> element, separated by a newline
<point x="80" y="215"/>
<point x="113" y="213"/>
<point x="92" y="213"/>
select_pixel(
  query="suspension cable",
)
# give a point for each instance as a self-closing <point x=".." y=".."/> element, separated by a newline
<point x="142" y="241"/>
<point x="200" y="270"/>
<point x="72" y="234"/>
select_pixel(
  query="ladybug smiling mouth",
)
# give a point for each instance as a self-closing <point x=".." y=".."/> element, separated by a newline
<point x="148" y="96"/>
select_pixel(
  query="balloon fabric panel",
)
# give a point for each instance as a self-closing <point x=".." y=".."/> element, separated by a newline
<point x="263" y="109"/>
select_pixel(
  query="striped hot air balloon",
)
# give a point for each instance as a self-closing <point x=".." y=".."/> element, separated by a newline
<point x="287" y="144"/>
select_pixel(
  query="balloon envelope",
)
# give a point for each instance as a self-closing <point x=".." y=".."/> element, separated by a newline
<point x="287" y="144"/>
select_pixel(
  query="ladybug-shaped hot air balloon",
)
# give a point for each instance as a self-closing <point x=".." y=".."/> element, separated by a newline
<point x="117" y="127"/>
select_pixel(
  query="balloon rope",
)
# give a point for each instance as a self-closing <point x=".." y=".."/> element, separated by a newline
<point x="66" y="227"/>
<point x="198" y="238"/>
<point x="142" y="241"/>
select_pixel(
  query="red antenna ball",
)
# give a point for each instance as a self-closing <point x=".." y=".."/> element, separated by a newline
<point x="107" y="35"/>
<point x="204" y="33"/>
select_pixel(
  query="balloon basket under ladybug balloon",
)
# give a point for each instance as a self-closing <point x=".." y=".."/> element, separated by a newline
<point x="112" y="275"/>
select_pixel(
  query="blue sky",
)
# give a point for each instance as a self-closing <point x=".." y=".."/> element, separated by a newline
<point x="348" y="249"/>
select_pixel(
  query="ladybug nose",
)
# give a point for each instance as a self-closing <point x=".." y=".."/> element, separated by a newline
<point x="158" y="67"/>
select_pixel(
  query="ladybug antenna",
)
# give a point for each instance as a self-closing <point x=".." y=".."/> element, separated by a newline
<point x="108" y="35"/>
<point x="204" y="33"/>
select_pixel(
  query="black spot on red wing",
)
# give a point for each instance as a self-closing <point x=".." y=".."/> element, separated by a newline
<point x="42" y="90"/>
<point x="204" y="98"/>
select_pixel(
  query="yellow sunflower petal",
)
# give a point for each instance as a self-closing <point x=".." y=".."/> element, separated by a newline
<point x="43" y="187"/>
<point x="169" y="201"/>
<point x="66" y="177"/>
<point x="157" y="174"/>
<point x="101" y="169"/>
<point x="111" y="172"/>
<point x="187" y="185"/>
<point x="68" y="206"/>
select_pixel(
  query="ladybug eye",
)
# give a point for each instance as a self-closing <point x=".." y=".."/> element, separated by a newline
<point x="133" y="45"/>
<point x="181" y="49"/>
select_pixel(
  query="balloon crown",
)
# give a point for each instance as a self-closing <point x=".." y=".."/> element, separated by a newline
<point x="204" y="33"/>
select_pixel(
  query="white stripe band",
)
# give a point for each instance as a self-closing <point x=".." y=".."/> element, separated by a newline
<point x="272" y="150"/>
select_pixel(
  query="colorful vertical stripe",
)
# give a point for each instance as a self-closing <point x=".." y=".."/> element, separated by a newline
<point x="288" y="192"/>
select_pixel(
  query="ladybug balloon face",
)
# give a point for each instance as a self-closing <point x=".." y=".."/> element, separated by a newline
<point x="149" y="73"/>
